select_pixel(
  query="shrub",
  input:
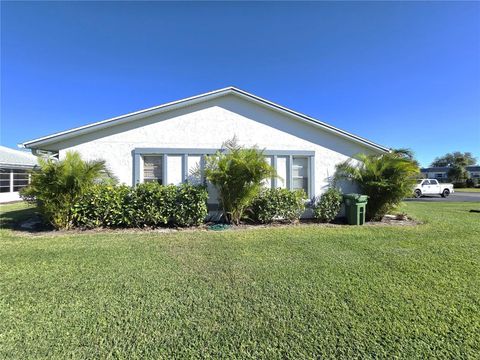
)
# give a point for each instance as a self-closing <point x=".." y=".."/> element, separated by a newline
<point x="190" y="206"/>
<point x="327" y="206"/>
<point x="103" y="206"/>
<point x="57" y="185"/>
<point x="459" y="184"/>
<point x="278" y="204"/>
<point x="471" y="182"/>
<point x="149" y="204"/>
<point x="237" y="173"/>
<point x="387" y="179"/>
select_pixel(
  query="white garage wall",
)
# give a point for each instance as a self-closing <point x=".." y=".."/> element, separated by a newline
<point x="208" y="125"/>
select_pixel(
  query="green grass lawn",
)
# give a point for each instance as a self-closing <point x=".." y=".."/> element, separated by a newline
<point x="12" y="214"/>
<point x="298" y="292"/>
<point x="468" y="190"/>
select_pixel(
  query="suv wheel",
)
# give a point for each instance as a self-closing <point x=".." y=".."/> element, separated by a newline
<point x="445" y="193"/>
<point x="417" y="193"/>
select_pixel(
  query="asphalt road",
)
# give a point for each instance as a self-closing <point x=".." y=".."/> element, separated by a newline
<point x="458" y="196"/>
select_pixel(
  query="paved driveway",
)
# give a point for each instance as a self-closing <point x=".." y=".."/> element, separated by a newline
<point x="458" y="196"/>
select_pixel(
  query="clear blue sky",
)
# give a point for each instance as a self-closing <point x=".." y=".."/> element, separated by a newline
<point x="401" y="74"/>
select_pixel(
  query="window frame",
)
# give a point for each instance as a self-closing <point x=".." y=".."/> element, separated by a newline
<point x="138" y="154"/>
<point x="307" y="176"/>
<point x="17" y="178"/>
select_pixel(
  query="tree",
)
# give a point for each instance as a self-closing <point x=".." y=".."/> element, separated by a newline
<point x="237" y="173"/>
<point x="387" y="179"/>
<point x="57" y="185"/>
<point x="457" y="173"/>
<point x="406" y="154"/>
<point x="454" y="158"/>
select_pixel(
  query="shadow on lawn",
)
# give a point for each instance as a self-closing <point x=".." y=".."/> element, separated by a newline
<point x="23" y="219"/>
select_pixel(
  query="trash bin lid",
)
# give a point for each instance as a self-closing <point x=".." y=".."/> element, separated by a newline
<point x="358" y="198"/>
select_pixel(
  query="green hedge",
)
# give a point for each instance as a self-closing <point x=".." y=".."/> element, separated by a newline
<point x="145" y="205"/>
<point x="327" y="206"/>
<point x="278" y="204"/>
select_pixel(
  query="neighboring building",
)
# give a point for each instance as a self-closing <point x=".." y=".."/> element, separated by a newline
<point x="473" y="172"/>
<point x="14" y="172"/>
<point x="166" y="142"/>
<point x="441" y="173"/>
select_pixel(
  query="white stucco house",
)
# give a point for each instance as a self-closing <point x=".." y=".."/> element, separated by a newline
<point x="14" y="172"/>
<point x="165" y="142"/>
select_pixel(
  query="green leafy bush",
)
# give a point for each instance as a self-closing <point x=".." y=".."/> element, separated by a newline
<point x="150" y="204"/>
<point x="327" y="206"/>
<point x="56" y="186"/>
<point x="278" y="204"/>
<point x="190" y="206"/>
<point x="104" y="206"/>
<point x="146" y="205"/>
<point x="237" y="173"/>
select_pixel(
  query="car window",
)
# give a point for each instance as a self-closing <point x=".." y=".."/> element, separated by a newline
<point x="425" y="182"/>
<point x="433" y="182"/>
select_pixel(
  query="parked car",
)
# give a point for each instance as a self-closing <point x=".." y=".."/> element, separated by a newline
<point x="432" y="187"/>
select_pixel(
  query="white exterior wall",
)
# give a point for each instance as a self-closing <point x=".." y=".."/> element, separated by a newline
<point x="208" y="125"/>
<point x="9" y="197"/>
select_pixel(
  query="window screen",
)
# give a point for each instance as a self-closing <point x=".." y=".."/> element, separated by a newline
<point x="4" y="180"/>
<point x="152" y="169"/>
<point x="20" y="179"/>
<point x="300" y="174"/>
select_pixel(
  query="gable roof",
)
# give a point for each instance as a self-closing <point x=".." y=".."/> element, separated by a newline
<point x="16" y="158"/>
<point x="60" y="136"/>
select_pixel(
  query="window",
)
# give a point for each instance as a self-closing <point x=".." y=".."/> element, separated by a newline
<point x="438" y="175"/>
<point x="4" y="180"/>
<point x="174" y="169"/>
<point x="294" y="168"/>
<point x="194" y="169"/>
<point x="20" y="179"/>
<point x="153" y="169"/>
<point x="282" y="171"/>
<point x="300" y="173"/>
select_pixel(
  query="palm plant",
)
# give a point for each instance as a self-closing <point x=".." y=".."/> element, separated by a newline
<point x="237" y="173"/>
<point x="386" y="179"/>
<point x="56" y="186"/>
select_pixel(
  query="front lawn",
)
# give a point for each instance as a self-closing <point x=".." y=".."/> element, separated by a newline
<point x="11" y="215"/>
<point x="298" y="292"/>
<point x="467" y="190"/>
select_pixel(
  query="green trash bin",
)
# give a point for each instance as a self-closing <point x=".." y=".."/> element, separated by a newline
<point x="355" y="207"/>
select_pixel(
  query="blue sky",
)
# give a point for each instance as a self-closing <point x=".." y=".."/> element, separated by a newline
<point x="401" y="74"/>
